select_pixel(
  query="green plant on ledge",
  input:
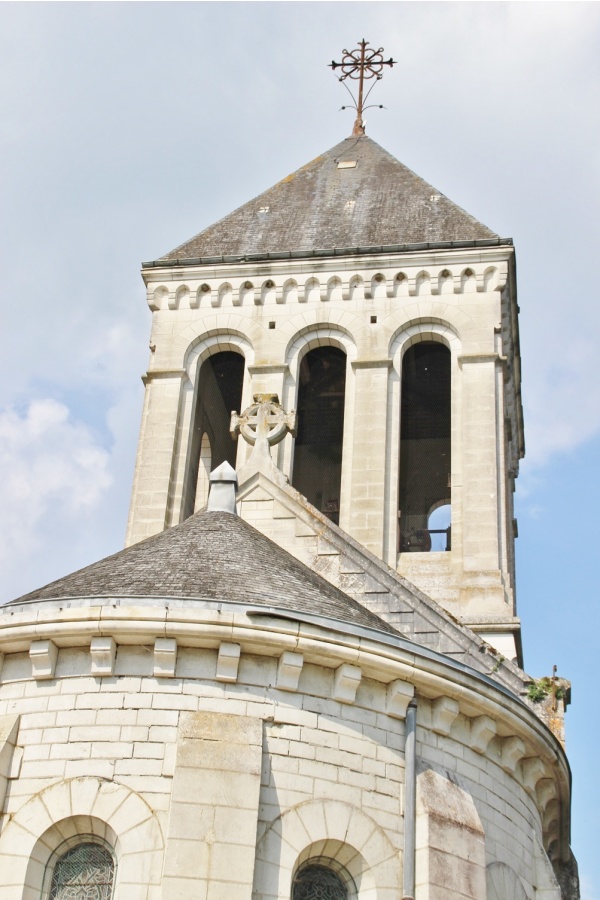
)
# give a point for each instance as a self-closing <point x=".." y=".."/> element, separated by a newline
<point x="539" y="688"/>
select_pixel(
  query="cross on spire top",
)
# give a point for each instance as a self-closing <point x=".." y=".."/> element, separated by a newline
<point x="361" y="64"/>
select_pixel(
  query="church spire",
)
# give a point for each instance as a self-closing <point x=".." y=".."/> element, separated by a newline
<point x="360" y="65"/>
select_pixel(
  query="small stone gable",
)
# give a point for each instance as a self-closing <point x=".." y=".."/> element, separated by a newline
<point x="273" y="507"/>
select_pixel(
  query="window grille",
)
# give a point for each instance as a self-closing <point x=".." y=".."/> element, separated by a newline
<point x="318" y="447"/>
<point x="315" y="882"/>
<point x="85" y="872"/>
<point x="425" y="447"/>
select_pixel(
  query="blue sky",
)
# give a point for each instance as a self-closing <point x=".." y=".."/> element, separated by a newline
<point x="128" y="127"/>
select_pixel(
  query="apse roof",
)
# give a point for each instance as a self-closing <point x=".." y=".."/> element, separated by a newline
<point x="211" y="556"/>
<point x="354" y="195"/>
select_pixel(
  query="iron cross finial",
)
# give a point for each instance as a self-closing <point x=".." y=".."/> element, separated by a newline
<point x="361" y="64"/>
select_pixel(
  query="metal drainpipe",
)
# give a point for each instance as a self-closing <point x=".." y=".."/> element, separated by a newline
<point x="410" y="796"/>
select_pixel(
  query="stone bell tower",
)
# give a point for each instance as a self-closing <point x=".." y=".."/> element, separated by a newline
<point x="387" y="317"/>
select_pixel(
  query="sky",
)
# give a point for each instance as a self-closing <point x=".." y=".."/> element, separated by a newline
<point x="129" y="127"/>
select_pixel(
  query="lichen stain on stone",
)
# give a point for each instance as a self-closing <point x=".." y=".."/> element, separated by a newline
<point x="291" y="177"/>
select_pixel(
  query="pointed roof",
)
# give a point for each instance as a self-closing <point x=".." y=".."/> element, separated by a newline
<point x="211" y="556"/>
<point x="354" y="195"/>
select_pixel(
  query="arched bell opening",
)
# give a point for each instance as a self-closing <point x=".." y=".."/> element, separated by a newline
<point x="425" y="449"/>
<point x="317" y="470"/>
<point x="218" y="393"/>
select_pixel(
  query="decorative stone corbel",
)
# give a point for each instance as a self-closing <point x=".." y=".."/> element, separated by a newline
<point x="483" y="729"/>
<point x="550" y="815"/>
<point x="444" y="711"/>
<point x="228" y="662"/>
<point x="398" y="696"/>
<point x="513" y="751"/>
<point x="288" y="671"/>
<point x="546" y="791"/>
<point x="533" y="770"/>
<point x="165" y="657"/>
<point x="43" y="656"/>
<point x="345" y="683"/>
<point x="103" y="651"/>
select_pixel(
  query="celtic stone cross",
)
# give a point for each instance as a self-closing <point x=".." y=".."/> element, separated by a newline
<point x="264" y="423"/>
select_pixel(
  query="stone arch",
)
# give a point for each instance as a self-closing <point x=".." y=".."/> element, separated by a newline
<point x="84" y="805"/>
<point x="245" y="294"/>
<point x="41" y="863"/>
<point x="356" y="288"/>
<point x="400" y="285"/>
<point x="423" y="283"/>
<point x="158" y="296"/>
<point x="312" y="289"/>
<point x="468" y="281"/>
<point x="182" y="296"/>
<point x="378" y="286"/>
<point x="323" y="335"/>
<point x="445" y="282"/>
<point x="334" y="830"/>
<point x="224" y="295"/>
<point x="503" y="883"/>
<point x="290" y="291"/>
<point x="422" y="330"/>
<point x="213" y="342"/>
<point x="334" y="288"/>
<point x="268" y="293"/>
<point x="203" y="290"/>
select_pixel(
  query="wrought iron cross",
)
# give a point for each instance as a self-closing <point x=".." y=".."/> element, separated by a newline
<point x="361" y="64"/>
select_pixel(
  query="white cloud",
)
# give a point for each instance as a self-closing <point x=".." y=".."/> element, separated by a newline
<point x="54" y="474"/>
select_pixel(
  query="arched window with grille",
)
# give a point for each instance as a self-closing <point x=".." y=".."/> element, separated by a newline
<point x="317" y="471"/>
<point x="425" y="460"/>
<point x="315" y="881"/>
<point x="85" y="870"/>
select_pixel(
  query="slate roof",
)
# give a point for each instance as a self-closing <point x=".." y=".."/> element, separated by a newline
<point x="210" y="556"/>
<point x="378" y="202"/>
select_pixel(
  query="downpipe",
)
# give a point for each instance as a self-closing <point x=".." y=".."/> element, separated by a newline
<point x="410" y="801"/>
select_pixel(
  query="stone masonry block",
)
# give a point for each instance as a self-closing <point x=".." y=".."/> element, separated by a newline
<point x="165" y="657"/>
<point x="345" y="683"/>
<point x="228" y="662"/>
<point x="444" y="711"/>
<point x="483" y="729"/>
<point x="43" y="656"/>
<point x="103" y="651"/>
<point x="288" y="671"/>
<point x="398" y="696"/>
<point x="513" y="751"/>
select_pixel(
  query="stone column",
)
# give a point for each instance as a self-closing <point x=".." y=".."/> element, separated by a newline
<point x="368" y="474"/>
<point x="483" y="593"/>
<point x="156" y="455"/>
